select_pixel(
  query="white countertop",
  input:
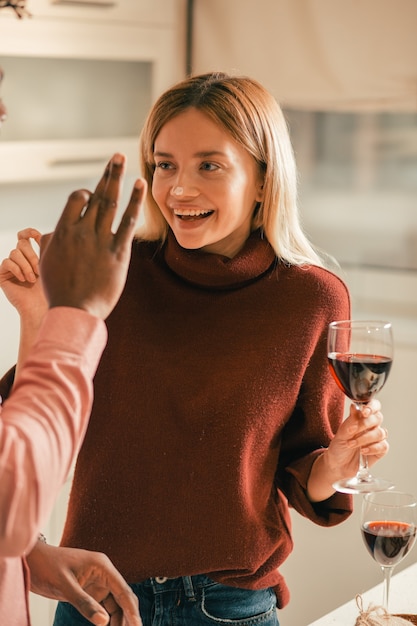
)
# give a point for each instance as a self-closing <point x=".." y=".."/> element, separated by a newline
<point x="403" y="599"/>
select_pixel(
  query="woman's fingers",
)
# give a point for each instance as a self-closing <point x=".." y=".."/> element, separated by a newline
<point x="22" y="262"/>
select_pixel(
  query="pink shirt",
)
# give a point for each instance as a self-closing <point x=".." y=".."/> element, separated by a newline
<point x="41" y="429"/>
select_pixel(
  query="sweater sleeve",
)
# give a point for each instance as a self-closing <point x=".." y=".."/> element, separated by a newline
<point x="43" y="422"/>
<point x="318" y="414"/>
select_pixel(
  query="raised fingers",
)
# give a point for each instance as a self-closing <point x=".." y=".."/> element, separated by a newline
<point x="127" y="226"/>
<point x="104" y="202"/>
<point x="74" y="208"/>
<point x="100" y="206"/>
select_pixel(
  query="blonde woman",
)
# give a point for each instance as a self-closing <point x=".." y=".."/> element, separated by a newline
<point x="214" y="407"/>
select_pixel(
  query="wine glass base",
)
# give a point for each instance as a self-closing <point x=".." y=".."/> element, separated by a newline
<point x="358" y="484"/>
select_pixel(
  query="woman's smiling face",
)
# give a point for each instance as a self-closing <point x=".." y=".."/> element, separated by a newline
<point x="205" y="184"/>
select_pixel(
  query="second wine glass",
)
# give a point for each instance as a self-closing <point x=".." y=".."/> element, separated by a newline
<point x="388" y="526"/>
<point x="360" y="356"/>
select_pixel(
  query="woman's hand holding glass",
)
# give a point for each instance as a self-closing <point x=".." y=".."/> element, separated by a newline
<point x="361" y="432"/>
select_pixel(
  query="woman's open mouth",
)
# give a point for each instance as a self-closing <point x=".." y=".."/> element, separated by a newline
<point x="190" y="215"/>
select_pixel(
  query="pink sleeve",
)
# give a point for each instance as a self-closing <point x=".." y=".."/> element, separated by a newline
<point x="43" y="422"/>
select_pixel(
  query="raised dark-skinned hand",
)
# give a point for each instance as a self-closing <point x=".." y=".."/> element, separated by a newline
<point x="83" y="263"/>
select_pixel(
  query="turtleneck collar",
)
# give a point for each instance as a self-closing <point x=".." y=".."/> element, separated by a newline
<point x="216" y="271"/>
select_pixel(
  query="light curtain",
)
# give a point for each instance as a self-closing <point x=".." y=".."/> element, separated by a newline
<point x="353" y="55"/>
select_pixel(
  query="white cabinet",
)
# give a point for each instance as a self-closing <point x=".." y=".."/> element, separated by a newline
<point x="79" y="80"/>
<point x="68" y="115"/>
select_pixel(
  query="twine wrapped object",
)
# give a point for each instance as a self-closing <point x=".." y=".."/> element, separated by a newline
<point x="378" y="616"/>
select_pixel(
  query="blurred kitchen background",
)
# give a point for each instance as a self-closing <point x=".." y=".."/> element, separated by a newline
<point x="80" y="76"/>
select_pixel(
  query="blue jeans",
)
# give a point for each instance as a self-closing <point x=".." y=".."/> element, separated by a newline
<point x="191" y="601"/>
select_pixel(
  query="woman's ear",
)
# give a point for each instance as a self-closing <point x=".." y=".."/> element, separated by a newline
<point x="260" y="191"/>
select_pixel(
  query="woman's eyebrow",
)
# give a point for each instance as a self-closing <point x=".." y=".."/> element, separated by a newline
<point x="210" y="153"/>
<point x="201" y="154"/>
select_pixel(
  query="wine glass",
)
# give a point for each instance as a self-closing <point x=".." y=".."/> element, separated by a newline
<point x="360" y="357"/>
<point x="388" y="526"/>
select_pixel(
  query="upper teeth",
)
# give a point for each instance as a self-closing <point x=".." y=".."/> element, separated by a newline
<point x="190" y="212"/>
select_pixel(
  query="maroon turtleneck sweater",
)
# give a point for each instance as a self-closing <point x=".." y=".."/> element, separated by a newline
<point x="212" y="400"/>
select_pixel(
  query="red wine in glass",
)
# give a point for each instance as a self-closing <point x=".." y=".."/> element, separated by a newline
<point x="359" y="376"/>
<point x="360" y="358"/>
<point x="388" y="542"/>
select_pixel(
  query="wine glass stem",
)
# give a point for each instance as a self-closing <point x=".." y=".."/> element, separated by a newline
<point x="387" y="579"/>
<point x="363" y="466"/>
<point x="363" y="472"/>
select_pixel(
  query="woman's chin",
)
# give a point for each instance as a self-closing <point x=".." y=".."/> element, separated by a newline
<point x="191" y="239"/>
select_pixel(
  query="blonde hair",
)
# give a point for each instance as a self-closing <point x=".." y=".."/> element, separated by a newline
<point x="252" y="116"/>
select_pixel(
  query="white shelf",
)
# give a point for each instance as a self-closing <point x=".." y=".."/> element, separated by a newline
<point x="152" y="12"/>
<point x="39" y="161"/>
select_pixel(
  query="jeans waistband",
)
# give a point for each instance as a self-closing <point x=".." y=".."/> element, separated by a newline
<point x="188" y="584"/>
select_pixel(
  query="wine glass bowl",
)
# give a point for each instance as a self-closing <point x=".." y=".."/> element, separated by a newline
<point x="360" y="356"/>
<point x="388" y="527"/>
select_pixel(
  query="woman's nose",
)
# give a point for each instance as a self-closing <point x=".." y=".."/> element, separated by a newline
<point x="184" y="186"/>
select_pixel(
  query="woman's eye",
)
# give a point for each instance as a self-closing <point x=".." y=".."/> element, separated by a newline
<point x="163" y="165"/>
<point x="209" y="167"/>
